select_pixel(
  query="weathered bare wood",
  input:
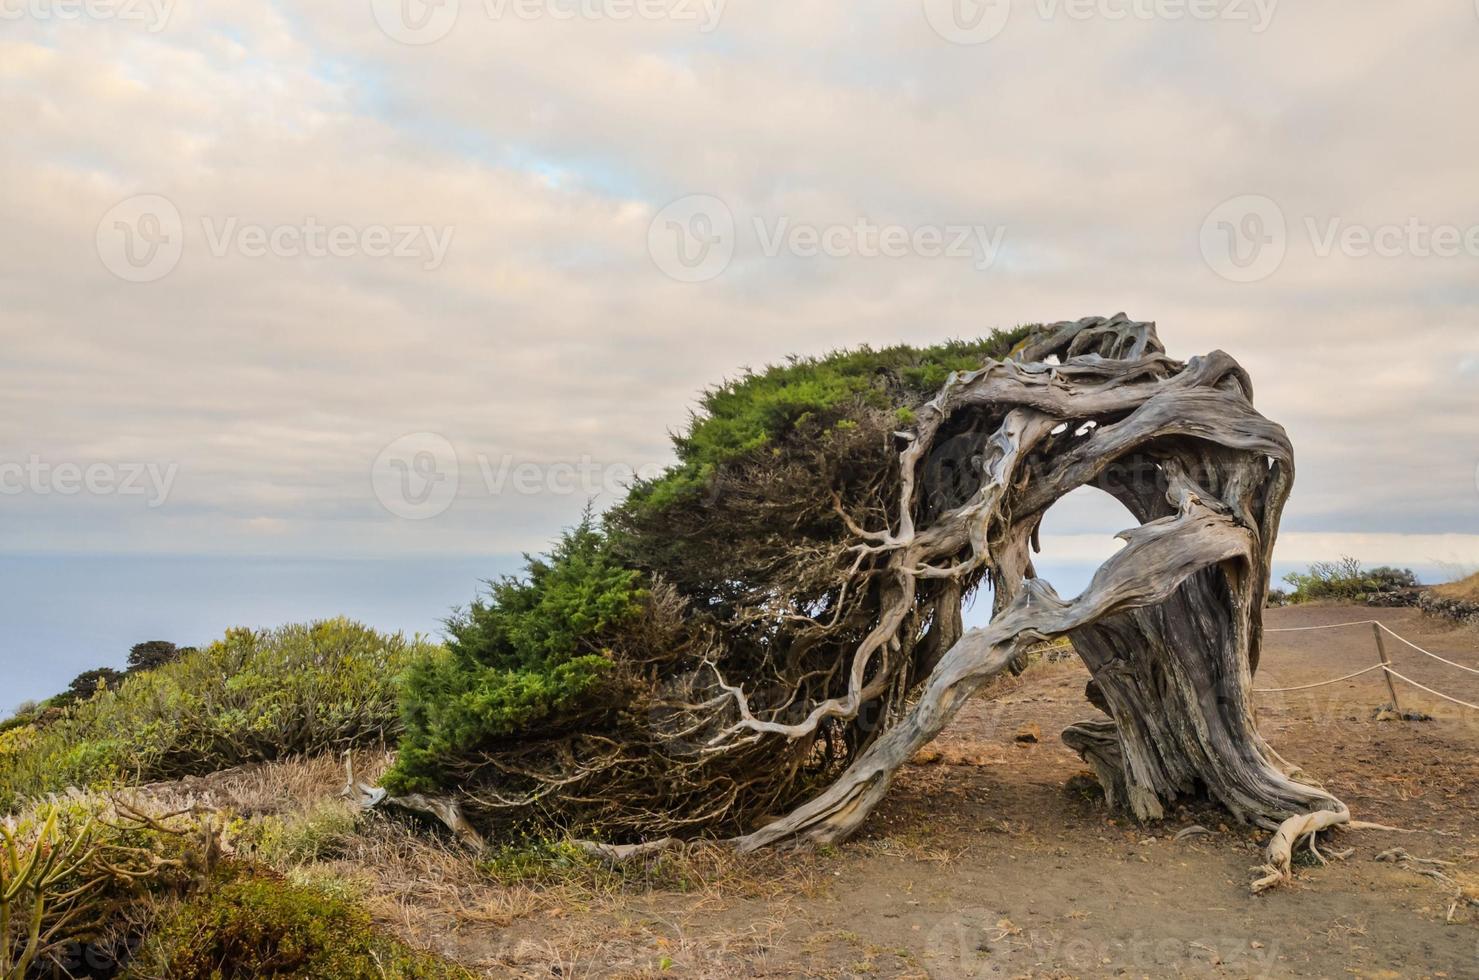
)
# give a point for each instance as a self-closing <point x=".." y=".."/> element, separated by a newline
<point x="1170" y="627"/>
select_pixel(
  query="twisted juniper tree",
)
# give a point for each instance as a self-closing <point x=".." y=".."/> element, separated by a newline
<point x="754" y="643"/>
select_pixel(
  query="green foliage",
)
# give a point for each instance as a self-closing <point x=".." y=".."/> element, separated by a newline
<point x="537" y="860"/>
<point x="759" y="409"/>
<point x="252" y="696"/>
<point x="24" y="717"/>
<point x="90" y="682"/>
<point x="16" y="738"/>
<point x="530" y="657"/>
<point x="74" y="869"/>
<point x="251" y="924"/>
<point x="151" y="654"/>
<point x="322" y="833"/>
<point x="1345" y="580"/>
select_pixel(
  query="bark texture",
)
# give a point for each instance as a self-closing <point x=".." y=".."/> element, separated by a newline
<point x="1170" y="627"/>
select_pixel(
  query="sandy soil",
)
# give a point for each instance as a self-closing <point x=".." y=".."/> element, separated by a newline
<point x="995" y="858"/>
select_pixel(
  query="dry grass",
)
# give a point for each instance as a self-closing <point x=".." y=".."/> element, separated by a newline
<point x="575" y="912"/>
<point x="1466" y="590"/>
<point x="959" y="752"/>
<point x="272" y="788"/>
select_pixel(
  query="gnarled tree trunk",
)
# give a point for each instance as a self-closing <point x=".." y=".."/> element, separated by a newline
<point x="1170" y="627"/>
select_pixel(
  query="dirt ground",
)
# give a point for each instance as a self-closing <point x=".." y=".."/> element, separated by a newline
<point x="994" y="857"/>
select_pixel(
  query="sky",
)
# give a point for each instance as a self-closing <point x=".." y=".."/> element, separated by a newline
<point x="398" y="279"/>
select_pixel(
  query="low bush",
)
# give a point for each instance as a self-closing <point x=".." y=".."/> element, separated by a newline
<point x="81" y="870"/>
<point x="1346" y="580"/>
<point x="323" y="832"/>
<point x="251" y="923"/>
<point x="168" y="896"/>
<point x="252" y="696"/>
<point x="15" y="739"/>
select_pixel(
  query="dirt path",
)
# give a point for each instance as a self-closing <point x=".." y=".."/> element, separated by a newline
<point x="994" y="857"/>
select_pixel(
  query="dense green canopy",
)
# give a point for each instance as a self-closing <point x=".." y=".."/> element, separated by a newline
<point x="588" y="692"/>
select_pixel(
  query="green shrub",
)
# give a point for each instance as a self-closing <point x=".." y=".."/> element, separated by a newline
<point x="250" y="697"/>
<point x="89" y="683"/>
<point x="760" y="409"/>
<point x="15" y="739"/>
<point x="530" y="657"/>
<point x="253" y="924"/>
<point x="324" y="832"/>
<point x="82" y="869"/>
<point x="1346" y="580"/>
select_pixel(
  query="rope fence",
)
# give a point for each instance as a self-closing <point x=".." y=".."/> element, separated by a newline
<point x="1388" y="672"/>
<point x="1306" y="687"/>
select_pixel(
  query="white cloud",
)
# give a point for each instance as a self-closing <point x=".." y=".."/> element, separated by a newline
<point x="548" y="333"/>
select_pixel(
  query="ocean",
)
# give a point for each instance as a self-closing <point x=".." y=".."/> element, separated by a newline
<point x="64" y="614"/>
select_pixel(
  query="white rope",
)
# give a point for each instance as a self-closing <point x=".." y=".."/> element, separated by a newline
<point x="1306" y="687"/>
<point x="1429" y="689"/>
<point x="1422" y="651"/>
<point x="1390" y="632"/>
<point x="1332" y="626"/>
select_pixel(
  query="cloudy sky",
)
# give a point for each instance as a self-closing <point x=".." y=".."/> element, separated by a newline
<point x="271" y="271"/>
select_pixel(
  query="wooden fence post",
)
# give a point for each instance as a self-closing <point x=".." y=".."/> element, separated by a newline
<point x="1381" y="650"/>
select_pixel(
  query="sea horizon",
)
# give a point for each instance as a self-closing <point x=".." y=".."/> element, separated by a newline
<point x="71" y="612"/>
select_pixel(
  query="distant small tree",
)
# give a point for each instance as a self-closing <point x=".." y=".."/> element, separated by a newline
<point x="1346" y="580"/>
<point x="1388" y="579"/>
<point x="87" y="683"/>
<point x="151" y="654"/>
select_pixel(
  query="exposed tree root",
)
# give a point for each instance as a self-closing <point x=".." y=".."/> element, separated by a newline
<point x="1280" y="850"/>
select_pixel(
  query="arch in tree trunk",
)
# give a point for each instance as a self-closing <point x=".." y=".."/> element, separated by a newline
<point x="1170" y="628"/>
